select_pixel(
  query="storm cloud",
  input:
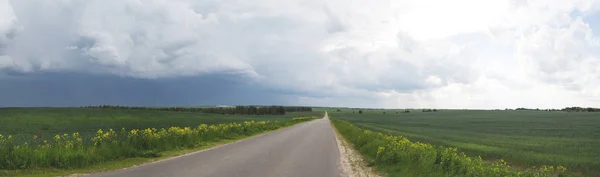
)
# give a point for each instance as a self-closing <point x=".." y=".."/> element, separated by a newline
<point x="425" y="53"/>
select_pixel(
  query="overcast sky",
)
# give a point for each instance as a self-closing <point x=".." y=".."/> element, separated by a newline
<point x="356" y="53"/>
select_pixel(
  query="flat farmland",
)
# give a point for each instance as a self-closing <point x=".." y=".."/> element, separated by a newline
<point x="522" y="138"/>
<point x="24" y="123"/>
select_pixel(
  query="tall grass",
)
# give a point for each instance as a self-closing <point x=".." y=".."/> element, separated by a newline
<point x="398" y="156"/>
<point x="68" y="151"/>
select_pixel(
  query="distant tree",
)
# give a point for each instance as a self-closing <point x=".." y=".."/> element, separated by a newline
<point x="383" y="112"/>
<point x="360" y="111"/>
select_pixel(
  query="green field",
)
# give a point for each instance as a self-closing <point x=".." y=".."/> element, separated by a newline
<point x="522" y="138"/>
<point x="24" y="123"/>
<point x="86" y="149"/>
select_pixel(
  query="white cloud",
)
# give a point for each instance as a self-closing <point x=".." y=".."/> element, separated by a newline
<point x="7" y="17"/>
<point x="408" y="53"/>
<point x="428" y="19"/>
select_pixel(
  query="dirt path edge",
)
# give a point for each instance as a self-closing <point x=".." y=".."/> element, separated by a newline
<point x="352" y="163"/>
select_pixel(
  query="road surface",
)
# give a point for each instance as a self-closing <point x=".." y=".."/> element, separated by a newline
<point x="305" y="150"/>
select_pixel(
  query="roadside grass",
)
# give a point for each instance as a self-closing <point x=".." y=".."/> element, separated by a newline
<point x="125" y="163"/>
<point x="522" y="138"/>
<point x="352" y="163"/>
<point x="107" y="149"/>
<point x="398" y="156"/>
<point x="68" y="151"/>
<point x="24" y="123"/>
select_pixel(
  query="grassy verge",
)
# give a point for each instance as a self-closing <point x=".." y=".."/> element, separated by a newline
<point x="24" y="123"/>
<point x="522" y="138"/>
<point x="397" y="156"/>
<point x="113" y="165"/>
<point x="352" y="162"/>
<point x="117" y="149"/>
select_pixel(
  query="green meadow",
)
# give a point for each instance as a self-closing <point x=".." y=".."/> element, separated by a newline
<point x="24" y="123"/>
<point x="61" y="141"/>
<point x="522" y="138"/>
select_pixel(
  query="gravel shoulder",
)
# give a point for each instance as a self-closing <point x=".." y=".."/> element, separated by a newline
<point x="352" y="163"/>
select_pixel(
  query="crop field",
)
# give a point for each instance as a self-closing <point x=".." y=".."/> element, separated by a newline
<point x="69" y="150"/>
<point x="24" y="123"/>
<point x="523" y="138"/>
<point x="398" y="156"/>
<point x="36" y="141"/>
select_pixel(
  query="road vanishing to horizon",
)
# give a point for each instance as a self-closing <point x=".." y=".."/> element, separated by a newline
<point x="222" y="88"/>
<point x="305" y="150"/>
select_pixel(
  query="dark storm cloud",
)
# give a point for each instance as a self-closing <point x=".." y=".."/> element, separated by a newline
<point x="77" y="89"/>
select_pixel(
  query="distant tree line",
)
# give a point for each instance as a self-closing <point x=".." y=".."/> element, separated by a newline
<point x="567" y="109"/>
<point x="530" y="109"/>
<point x="297" y="109"/>
<point x="405" y="111"/>
<point x="241" y="110"/>
<point x="580" y="109"/>
<point x="428" y="110"/>
<point x="247" y="110"/>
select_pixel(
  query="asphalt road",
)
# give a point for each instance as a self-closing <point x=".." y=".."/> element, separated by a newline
<point x="305" y="150"/>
